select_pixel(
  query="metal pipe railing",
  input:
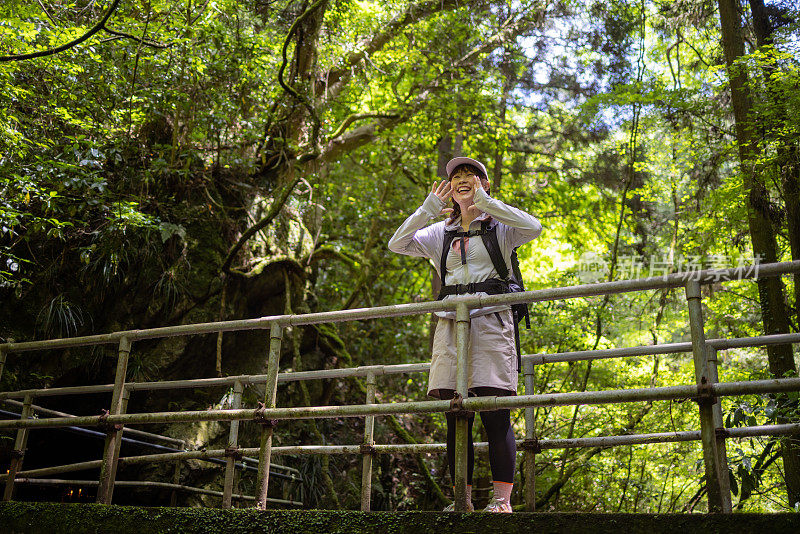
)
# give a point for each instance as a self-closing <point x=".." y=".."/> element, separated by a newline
<point x="267" y="425"/>
<point x="705" y="391"/>
<point x="18" y="452"/>
<point x="93" y="433"/>
<point x="664" y="348"/>
<point x="146" y="484"/>
<point x="475" y="404"/>
<point x="398" y="310"/>
<point x="369" y="431"/>
<point x="148" y="435"/>
<point x="426" y="448"/>
<point x="126" y="431"/>
<point x="403" y="368"/>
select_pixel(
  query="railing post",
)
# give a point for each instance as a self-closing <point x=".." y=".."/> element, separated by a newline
<point x="126" y="395"/>
<point x="706" y="401"/>
<point x="719" y="427"/>
<point x="18" y="454"/>
<point x="462" y="439"/>
<point x="530" y="439"/>
<point x="369" y="430"/>
<point x="113" y="435"/>
<point x="275" y="338"/>
<point x="176" y="479"/>
<point x="3" y="356"/>
<point x="232" y="451"/>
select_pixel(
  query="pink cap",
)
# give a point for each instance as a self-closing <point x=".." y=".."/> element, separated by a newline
<point x="455" y="162"/>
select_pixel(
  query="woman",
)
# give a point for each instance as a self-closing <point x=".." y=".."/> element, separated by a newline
<point x="492" y="364"/>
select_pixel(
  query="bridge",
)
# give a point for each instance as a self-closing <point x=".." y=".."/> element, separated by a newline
<point x="116" y="421"/>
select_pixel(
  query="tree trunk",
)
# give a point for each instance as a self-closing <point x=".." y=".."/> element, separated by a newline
<point x="790" y="176"/>
<point x="762" y="231"/>
<point x="787" y="151"/>
<point x="509" y="81"/>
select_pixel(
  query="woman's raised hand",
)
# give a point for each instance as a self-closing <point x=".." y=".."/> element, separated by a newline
<point x="473" y="210"/>
<point x="477" y="183"/>
<point x="444" y="192"/>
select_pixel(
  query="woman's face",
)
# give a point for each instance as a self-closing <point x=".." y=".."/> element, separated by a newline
<point x="463" y="185"/>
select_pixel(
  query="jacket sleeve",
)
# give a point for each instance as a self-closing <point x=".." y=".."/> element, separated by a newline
<point x="413" y="238"/>
<point x="522" y="227"/>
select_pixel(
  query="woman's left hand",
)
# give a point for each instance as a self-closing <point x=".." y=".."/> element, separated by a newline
<point x="478" y="184"/>
<point x="473" y="210"/>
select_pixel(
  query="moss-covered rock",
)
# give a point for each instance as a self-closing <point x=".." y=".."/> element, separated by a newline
<point x="40" y="518"/>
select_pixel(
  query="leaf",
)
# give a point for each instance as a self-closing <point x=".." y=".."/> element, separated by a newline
<point x="733" y="482"/>
<point x="168" y="230"/>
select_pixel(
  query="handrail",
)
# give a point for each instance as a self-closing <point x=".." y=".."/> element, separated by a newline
<point x="147" y="484"/>
<point x="402" y="368"/>
<point x="125" y="431"/>
<point x="398" y="310"/>
<point x="426" y="448"/>
<point x="474" y="404"/>
<point x="243" y="464"/>
<point x="706" y="391"/>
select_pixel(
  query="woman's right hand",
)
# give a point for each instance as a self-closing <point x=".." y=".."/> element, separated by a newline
<point x="444" y="192"/>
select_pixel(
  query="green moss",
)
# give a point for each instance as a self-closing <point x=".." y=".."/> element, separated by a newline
<point x="40" y="518"/>
<point x="329" y="339"/>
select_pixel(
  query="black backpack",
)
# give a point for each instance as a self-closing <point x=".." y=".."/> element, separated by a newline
<point x="508" y="282"/>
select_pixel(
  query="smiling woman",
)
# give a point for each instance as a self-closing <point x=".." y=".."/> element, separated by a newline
<point x="466" y="177"/>
<point x="467" y="267"/>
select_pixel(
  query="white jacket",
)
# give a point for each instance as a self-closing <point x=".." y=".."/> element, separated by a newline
<point x="414" y="238"/>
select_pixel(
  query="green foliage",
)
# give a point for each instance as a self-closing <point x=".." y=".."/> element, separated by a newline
<point x="131" y="165"/>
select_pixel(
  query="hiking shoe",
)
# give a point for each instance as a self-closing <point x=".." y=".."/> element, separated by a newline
<point x="496" y="505"/>
<point x="452" y="507"/>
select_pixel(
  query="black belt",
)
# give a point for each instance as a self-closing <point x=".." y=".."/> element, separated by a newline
<point x="493" y="286"/>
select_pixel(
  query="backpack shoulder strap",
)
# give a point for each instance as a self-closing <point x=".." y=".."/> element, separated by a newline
<point x="518" y="276"/>
<point x="485" y="233"/>
<point x="515" y="269"/>
<point x="489" y="236"/>
<point x="449" y="235"/>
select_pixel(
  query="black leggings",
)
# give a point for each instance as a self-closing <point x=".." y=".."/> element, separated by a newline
<point x="502" y="446"/>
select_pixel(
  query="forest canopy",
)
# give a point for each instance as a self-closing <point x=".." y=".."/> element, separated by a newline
<point x="166" y="162"/>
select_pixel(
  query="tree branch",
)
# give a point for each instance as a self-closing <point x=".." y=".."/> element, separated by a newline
<point x="139" y="39"/>
<point x="274" y="210"/>
<point x="49" y="16"/>
<point x="337" y="77"/>
<point x="581" y="461"/>
<point x="324" y="253"/>
<point x="199" y="13"/>
<point x="357" y="117"/>
<point x="367" y="133"/>
<point x="96" y="28"/>
<point x="284" y="54"/>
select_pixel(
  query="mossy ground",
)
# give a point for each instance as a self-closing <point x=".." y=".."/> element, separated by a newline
<point x="40" y="518"/>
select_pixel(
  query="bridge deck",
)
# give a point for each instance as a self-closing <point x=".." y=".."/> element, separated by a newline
<point x="36" y="518"/>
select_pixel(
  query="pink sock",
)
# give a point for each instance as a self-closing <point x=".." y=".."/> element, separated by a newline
<point x="502" y="491"/>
